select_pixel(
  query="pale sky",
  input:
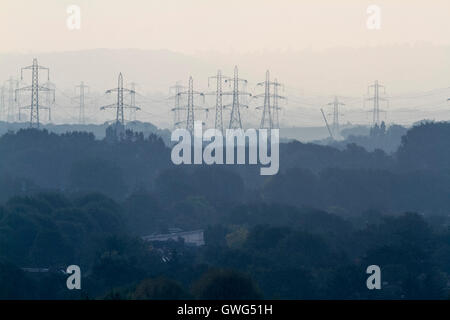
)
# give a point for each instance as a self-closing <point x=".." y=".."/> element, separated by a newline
<point x="240" y="26"/>
<point x="315" y="47"/>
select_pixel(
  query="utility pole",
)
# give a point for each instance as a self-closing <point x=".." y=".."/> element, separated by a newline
<point x="220" y="79"/>
<point x="177" y="104"/>
<point x="120" y="105"/>
<point x="190" y="104"/>
<point x="376" y="101"/>
<point x="235" y="117"/>
<point x="81" y="114"/>
<point x="335" y="126"/>
<point x="269" y="119"/>
<point x="35" y="88"/>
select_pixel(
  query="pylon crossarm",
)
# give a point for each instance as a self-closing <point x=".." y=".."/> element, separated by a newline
<point x="114" y="105"/>
<point x="241" y="93"/>
<point x="129" y="106"/>
<point x="210" y="93"/>
<point x="187" y="92"/>
<point x="42" y="88"/>
<point x="28" y="88"/>
<point x="111" y="90"/>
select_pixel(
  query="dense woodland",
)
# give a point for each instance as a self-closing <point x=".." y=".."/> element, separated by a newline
<point x="308" y="232"/>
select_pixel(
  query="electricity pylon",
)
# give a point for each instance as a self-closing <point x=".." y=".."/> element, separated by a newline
<point x="35" y="88"/>
<point x="49" y="101"/>
<point x="177" y="108"/>
<point x="190" y="104"/>
<point x="335" y="126"/>
<point x="269" y="119"/>
<point x="376" y="101"/>
<point x="235" y="117"/>
<point x="120" y="105"/>
<point x="81" y="99"/>
<point x="132" y="111"/>
<point x="2" y="104"/>
<point x="220" y="79"/>
<point x="11" y="112"/>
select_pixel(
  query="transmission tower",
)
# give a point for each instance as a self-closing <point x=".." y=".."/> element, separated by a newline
<point x="266" y="120"/>
<point x="49" y="100"/>
<point x="220" y="79"/>
<point x="132" y="111"/>
<point x="269" y="119"/>
<point x="176" y="89"/>
<point x="190" y="104"/>
<point x="119" y="105"/>
<point x="276" y="107"/>
<point x="335" y="126"/>
<point x="13" y="84"/>
<point x="376" y="101"/>
<point x="2" y="103"/>
<point x="235" y="117"/>
<point x="81" y="98"/>
<point x="35" y="88"/>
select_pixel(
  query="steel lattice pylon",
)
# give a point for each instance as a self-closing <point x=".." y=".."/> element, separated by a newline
<point x="269" y="119"/>
<point x="376" y="102"/>
<point x="235" y="117"/>
<point x="190" y="107"/>
<point x="35" y="88"/>
<point x="120" y="105"/>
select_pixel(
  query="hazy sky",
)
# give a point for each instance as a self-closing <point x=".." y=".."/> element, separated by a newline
<point x="211" y="25"/>
<point x="315" y="47"/>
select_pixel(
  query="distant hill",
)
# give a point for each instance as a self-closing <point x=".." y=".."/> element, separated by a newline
<point x="97" y="129"/>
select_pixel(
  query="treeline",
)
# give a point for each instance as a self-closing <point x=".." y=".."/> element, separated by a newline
<point x="249" y="253"/>
<point x="415" y="178"/>
<point x="308" y="232"/>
